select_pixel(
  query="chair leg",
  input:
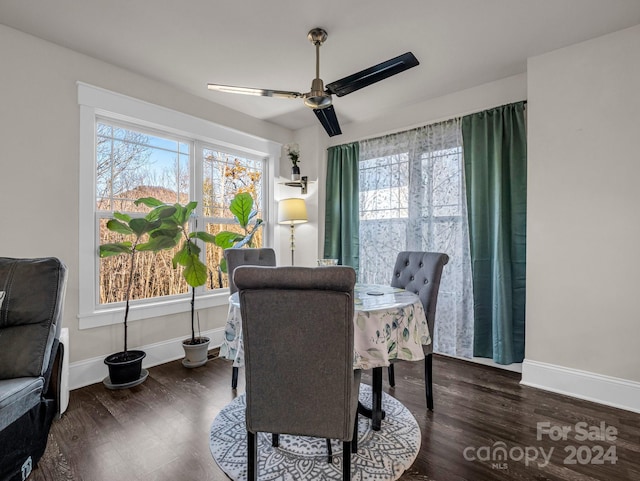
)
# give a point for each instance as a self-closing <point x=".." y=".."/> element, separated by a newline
<point x="428" y="383"/>
<point x="329" y="451"/>
<point x="275" y="440"/>
<point x="234" y="378"/>
<point x="376" y="399"/>
<point x="252" y="457"/>
<point x="392" y="376"/>
<point x="346" y="461"/>
<point x="354" y="440"/>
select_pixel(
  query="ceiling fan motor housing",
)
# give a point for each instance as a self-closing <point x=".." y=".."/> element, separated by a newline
<point x="317" y="98"/>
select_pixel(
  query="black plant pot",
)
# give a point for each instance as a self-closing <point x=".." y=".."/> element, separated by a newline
<point x="125" y="367"/>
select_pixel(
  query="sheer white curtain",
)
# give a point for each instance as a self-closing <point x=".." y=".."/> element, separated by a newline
<point x="412" y="197"/>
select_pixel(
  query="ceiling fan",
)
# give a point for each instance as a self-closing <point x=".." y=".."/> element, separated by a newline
<point x="319" y="98"/>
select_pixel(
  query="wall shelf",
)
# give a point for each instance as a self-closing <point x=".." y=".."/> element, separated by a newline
<point x="302" y="183"/>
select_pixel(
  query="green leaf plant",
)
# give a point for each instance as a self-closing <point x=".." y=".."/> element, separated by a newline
<point x="173" y="230"/>
<point x="140" y="230"/>
<point x="241" y="207"/>
<point x="165" y="227"/>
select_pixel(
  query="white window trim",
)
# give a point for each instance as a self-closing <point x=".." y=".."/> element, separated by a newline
<point x="95" y="102"/>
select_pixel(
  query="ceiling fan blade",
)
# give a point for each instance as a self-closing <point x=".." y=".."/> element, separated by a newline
<point x="372" y="75"/>
<point x="328" y="119"/>
<point x="253" y="91"/>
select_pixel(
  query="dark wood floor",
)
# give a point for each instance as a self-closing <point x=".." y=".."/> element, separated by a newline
<point x="159" y="431"/>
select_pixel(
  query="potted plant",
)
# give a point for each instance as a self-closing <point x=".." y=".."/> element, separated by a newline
<point x="125" y="367"/>
<point x="241" y="207"/>
<point x="293" y="151"/>
<point x="174" y="229"/>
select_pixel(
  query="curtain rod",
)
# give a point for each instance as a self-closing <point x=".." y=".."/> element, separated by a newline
<point x="416" y="126"/>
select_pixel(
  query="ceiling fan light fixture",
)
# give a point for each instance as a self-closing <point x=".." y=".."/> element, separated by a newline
<point x="285" y="94"/>
<point x="236" y="90"/>
<point x="318" y="101"/>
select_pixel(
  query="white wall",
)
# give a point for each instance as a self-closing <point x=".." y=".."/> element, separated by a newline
<point x="583" y="229"/>
<point x="39" y="135"/>
<point x="312" y="153"/>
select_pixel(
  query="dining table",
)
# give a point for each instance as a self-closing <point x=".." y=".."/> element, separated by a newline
<point x="389" y="324"/>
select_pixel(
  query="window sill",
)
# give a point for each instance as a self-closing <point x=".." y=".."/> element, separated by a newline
<point x="107" y="317"/>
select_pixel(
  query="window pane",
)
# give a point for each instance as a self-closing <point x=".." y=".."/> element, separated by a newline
<point x="410" y="197"/>
<point x="225" y="175"/>
<point x="442" y="236"/>
<point x="384" y="187"/>
<point x="132" y="164"/>
<point x="446" y="169"/>
<point x="380" y="240"/>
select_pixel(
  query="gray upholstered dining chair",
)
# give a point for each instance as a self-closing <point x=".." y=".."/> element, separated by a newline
<point x="420" y="272"/>
<point x="264" y="256"/>
<point x="297" y="324"/>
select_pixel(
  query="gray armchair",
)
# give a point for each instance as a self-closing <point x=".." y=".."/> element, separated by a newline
<point x="30" y="359"/>
<point x="420" y="272"/>
<point x="263" y="256"/>
<point x="298" y="340"/>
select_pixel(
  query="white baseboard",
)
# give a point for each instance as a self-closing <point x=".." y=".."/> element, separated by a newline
<point x="91" y="371"/>
<point x="514" y="367"/>
<point x="611" y="391"/>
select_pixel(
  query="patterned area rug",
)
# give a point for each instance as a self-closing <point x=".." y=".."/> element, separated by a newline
<point x="382" y="455"/>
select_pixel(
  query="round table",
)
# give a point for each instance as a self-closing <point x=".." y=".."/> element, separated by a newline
<point x="389" y="324"/>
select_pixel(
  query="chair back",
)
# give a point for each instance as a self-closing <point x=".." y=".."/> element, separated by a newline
<point x="263" y="256"/>
<point x="30" y="314"/>
<point x="297" y="325"/>
<point x="420" y="272"/>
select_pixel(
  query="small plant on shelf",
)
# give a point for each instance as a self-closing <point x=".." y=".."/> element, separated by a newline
<point x="293" y="152"/>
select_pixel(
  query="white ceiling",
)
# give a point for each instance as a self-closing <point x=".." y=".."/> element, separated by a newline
<point x="262" y="43"/>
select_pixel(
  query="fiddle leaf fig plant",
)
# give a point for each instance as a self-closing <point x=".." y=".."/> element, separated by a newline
<point x="139" y="228"/>
<point x="242" y="208"/>
<point x="175" y="229"/>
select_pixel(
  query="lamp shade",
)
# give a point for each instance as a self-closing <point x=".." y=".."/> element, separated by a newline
<point x="292" y="211"/>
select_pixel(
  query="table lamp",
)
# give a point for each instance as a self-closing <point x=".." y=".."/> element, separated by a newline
<point x="292" y="211"/>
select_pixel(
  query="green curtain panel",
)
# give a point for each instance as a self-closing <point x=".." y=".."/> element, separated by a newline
<point x="495" y="160"/>
<point x="342" y="221"/>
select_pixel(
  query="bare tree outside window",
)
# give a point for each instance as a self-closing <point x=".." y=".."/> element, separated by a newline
<point x="226" y="175"/>
<point x="130" y="164"/>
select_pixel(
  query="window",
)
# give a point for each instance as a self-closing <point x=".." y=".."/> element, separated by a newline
<point x="224" y="176"/>
<point x="133" y="163"/>
<point x="132" y="149"/>
<point x="412" y="198"/>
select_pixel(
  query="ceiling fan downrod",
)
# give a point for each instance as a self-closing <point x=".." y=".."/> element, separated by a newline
<point x="317" y="98"/>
